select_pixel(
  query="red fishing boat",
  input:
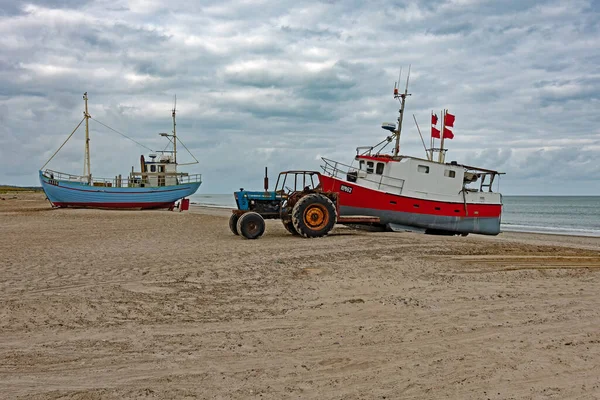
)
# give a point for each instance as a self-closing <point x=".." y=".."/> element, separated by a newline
<point x="411" y="193"/>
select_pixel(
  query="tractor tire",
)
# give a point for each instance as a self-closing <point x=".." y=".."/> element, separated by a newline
<point x="233" y="220"/>
<point x="314" y="215"/>
<point x="289" y="226"/>
<point x="251" y="225"/>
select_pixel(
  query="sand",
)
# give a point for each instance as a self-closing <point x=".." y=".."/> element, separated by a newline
<point x="170" y="305"/>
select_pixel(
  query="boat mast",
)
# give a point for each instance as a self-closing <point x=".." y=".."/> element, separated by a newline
<point x="431" y="139"/>
<point x="86" y="158"/>
<point x="174" y="131"/>
<point x="401" y="116"/>
<point x="442" y="157"/>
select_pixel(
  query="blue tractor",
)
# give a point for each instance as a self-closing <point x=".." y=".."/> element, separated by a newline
<point x="298" y="201"/>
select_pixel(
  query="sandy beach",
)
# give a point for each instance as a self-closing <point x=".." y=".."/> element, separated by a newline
<point x="170" y="305"/>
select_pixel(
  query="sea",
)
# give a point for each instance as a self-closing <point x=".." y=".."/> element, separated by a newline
<point x="561" y="215"/>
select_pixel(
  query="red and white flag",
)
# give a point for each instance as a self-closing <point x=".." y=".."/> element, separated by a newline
<point x="447" y="133"/>
<point x="449" y="119"/>
<point x="435" y="133"/>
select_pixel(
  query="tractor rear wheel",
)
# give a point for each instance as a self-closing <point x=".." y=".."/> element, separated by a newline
<point x="233" y="223"/>
<point x="289" y="226"/>
<point x="314" y="215"/>
<point x="251" y="225"/>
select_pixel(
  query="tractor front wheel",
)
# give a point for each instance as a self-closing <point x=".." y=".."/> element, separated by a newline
<point x="314" y="215"/>
<point x="251" y="225"/>
<point x="233" y="220"/>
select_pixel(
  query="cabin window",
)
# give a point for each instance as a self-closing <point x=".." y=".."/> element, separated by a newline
<point x="161" y="168"/>
<point x="423" y="169"/>
<point x="153" y="168"/>
<point x="379" y="170"/>
<point x="370" y="166"/>
<point x="361" y="164"/>
<point x="449" y="173"/>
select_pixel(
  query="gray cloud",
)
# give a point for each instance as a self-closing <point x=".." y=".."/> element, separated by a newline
<point x="282" y="83"/>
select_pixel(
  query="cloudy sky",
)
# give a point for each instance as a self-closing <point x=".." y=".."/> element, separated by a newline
<point x="283" y="83"/>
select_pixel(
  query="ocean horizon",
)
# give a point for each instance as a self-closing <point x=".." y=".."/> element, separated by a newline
<point x="560" y="215"/>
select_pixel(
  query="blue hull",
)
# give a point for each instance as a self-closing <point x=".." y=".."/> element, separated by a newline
<point x="75" y="194"/>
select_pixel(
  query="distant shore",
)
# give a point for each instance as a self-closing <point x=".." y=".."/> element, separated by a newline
<point x="17" y="189"/>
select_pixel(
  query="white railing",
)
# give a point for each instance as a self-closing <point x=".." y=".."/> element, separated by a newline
<point x="183" y="179"/>
<point x="118" y="181"/>
<point x="61" y="176"/>
<point x="380" y="182"/>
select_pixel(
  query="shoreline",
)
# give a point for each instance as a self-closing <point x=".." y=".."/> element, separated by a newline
<point x="560" y="233"/>
<point x="226" y="211"/>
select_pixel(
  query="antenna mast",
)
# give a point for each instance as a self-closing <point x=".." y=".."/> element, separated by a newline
<point x="86" y="157"/>
<point x="174" y="131"/>
<point x="400" y="117"/>
<point x="442" y="156"/>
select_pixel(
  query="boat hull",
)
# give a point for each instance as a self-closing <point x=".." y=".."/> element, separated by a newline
<point x="429" y="215"/>
<point x="75" y="194"/>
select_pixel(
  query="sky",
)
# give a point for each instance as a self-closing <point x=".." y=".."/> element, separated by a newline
<point x="283" y="83"/>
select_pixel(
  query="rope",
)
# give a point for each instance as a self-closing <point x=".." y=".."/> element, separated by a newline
<point x="387" y="139"/>
<point x="188" y="151"/>
<point x="116" y="131"/>
<point x="170" y="142"/>
<point x="65" y="142"/>
<point x="122" y="134"/>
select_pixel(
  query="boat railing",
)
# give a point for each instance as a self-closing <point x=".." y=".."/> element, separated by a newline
<point x="349" y="173"/>
<point x="364" y="150"/>
<point x="189" y="178"/>
<point x="118" y="181"/>
<point x="61" y="176"/>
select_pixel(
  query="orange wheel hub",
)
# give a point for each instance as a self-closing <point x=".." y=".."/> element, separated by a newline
<point x="316" y="216"/>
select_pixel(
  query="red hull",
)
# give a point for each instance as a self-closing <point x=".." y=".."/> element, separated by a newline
<point x="116" y="205"/>
<point x="361" y="197"/>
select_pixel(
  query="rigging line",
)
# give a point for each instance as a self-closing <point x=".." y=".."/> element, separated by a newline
<point x="122" y="134"/>
<point x="188" y="150"/>
<point x="65" y="142"/>
<point x="384" y="146"/>
<point x="423" y="141"/>
<point x="387" y="139"/>
<point x="374" y="147"/>
<point x="168" y="144"/>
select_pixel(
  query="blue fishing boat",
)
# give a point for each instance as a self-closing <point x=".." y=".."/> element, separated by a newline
<point x="158" y="184"/>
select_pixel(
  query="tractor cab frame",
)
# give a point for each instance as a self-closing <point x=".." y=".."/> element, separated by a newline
<point x="298" y="201"/>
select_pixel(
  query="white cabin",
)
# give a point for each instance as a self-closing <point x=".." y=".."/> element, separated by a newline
<point x="156" y="173"/>
<point x="424" y="179"/>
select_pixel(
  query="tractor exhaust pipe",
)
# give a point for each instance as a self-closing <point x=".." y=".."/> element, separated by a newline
<point x="266" y="181"/>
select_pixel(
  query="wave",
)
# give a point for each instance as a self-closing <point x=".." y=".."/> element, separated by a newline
<point x="205" y="204"/>
<point x="550" y="230"/>
<point x="214" y="200"/>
